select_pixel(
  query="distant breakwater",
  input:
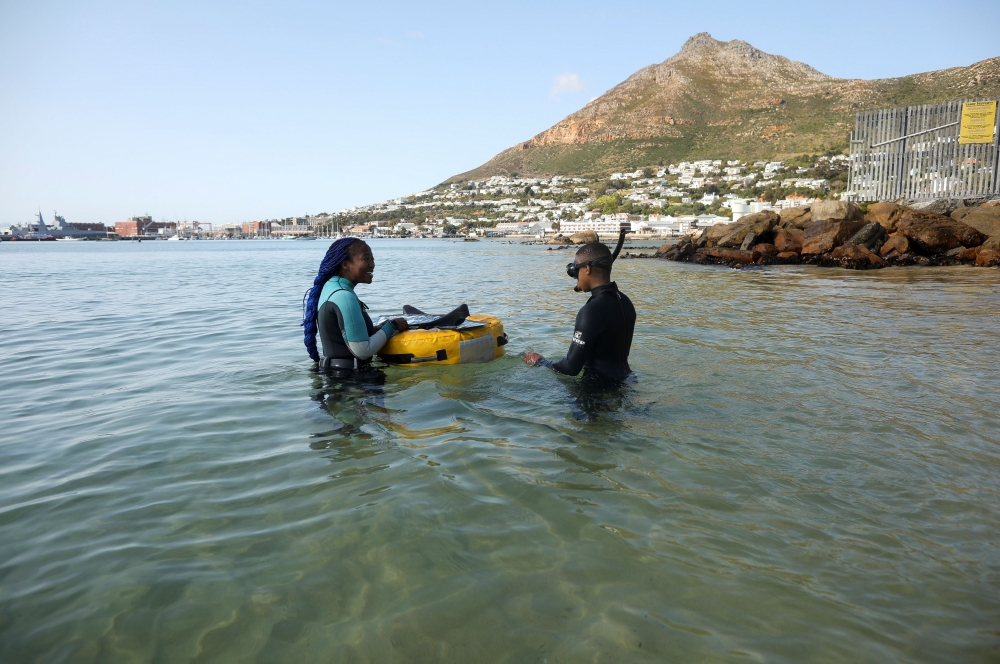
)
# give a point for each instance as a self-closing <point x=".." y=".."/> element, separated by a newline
<point x="843" y="234"/>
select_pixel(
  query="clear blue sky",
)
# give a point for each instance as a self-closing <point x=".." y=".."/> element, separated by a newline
<point x="232" y="111"/>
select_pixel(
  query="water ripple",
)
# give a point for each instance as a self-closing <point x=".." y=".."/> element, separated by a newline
<point x="807" y="470"/>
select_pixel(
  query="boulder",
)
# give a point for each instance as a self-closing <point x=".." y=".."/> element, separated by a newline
<point x="897" y="258"/>
<point x="988" y="258"/>
<point x="789" y="239"/>
<point x="664" y="249"/>
<point x="718" y="231"/>
<point x="992" y="243"/>
<point x="758" y="224"/>
<point x="986" y="221"/>
<point x="967" y="255"/>
<point x="886" y="214"/>
<point x="788" y="256"/>
<point x="749" y="240"/>
<point x="731" y="255"/>
<point x="897" y="243"/>
<point x="855" y="257"/>
<point x="990" y="204"/>
<point x="766" y="249"/>
<point x="960" y="213"/>
<point x="823" y="236"/>
<point x="584" y="237"/>
<point x="836" y="210"/>
<point x="944" y="206"/>
<point x="936" y="233"/>
<point x="871" y="236"/>
<point x="796" y="217"/>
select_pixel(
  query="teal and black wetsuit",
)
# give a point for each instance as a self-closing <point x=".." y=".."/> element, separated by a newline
<point x="349" y="338"/>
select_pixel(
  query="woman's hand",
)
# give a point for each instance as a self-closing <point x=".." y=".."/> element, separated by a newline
<point x="400" y="324"/>
<point x="531" y="359"/>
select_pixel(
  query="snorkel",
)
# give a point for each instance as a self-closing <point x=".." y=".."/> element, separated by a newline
<point x="573" y="269"/>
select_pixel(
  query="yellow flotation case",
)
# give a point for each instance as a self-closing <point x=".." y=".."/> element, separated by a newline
<point x="483" y="343"/>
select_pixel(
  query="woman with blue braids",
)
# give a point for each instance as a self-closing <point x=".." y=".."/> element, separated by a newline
<point x="349" y="338"/>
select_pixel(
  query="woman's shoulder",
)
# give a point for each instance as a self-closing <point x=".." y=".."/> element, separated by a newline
<point x="334" y="290"/>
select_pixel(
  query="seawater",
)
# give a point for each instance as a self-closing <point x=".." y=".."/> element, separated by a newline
<point x="808" y="469"/>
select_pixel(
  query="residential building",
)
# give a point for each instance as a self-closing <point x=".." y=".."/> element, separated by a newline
<point x="144" y="226"/>
<point x="257" y="229"/>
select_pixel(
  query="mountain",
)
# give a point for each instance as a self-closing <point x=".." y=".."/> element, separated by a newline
<point x="724" y="100"/>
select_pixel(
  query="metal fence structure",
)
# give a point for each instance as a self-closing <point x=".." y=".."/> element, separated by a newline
<point x="914" y="152"/>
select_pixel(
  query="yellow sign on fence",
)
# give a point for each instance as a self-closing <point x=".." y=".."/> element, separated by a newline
<point x="979" y="120"/>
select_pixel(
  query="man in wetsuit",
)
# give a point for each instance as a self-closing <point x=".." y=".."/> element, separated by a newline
<point x="603" y="334"/>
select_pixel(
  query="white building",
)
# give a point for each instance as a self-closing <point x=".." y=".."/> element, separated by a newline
<point x="604" y="225"/>
<point x="511" y="227"/>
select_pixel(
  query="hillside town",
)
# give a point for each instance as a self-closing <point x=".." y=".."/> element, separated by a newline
<point x="666" y="201"/>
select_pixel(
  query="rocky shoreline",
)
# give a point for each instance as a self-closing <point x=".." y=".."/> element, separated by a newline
<point x="842" y="234"/>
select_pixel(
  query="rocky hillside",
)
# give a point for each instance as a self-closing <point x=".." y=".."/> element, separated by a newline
<point x="724" y="100"/>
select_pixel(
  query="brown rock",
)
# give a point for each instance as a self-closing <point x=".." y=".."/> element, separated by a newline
<point x="897" y="243"/>
<point x="988" y="258"/>
<point x="789" y="256"/>
<point x="824" y="236"/>
<point x="584" y="237"/>
<point x="664" y="249"/>
<point x="886" y="214"/>
<point x="757" y="223"/>
<point x="936" y="233"/>
<point x="718" y="231"/>
<point x="789" y="239"/>
<point x="992" y="243"/>
<point x="732" y="255"/>
<point x="943" y="206"/>
<point x="990" y="204"/>
<point x="986" y="221"/>
<point x="795" y="217"/>
<point x="766" y="249"/>
<point x="871" y="236"/>
<point x="967" y="255"/>
<point x="960" y="213"/>
<point x="856" y="257"/>
<point x="835" y="210"/>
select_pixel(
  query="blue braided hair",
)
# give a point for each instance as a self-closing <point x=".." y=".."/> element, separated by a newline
<point x="329" y="268"/>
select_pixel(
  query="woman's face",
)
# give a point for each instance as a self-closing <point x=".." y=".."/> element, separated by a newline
<point x="360" y="264"/>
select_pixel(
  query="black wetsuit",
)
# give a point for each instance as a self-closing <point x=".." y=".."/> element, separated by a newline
<point x="602" y="337"/>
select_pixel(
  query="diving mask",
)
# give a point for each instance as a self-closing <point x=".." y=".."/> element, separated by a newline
<point x="573" y="269"/>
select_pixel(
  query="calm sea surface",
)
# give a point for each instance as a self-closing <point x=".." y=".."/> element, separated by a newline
<point x="808" y="469"/>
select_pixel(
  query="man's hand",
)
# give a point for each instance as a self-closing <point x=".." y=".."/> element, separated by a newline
<point x="400" y="324"/>
<point x="531" y="359"/>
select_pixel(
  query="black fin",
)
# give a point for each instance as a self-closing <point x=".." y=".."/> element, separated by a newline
<point x="453" y="318"/>
<point x="412" y="311"/>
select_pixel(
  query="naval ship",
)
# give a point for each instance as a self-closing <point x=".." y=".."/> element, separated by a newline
<point x="41" y="232"/>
